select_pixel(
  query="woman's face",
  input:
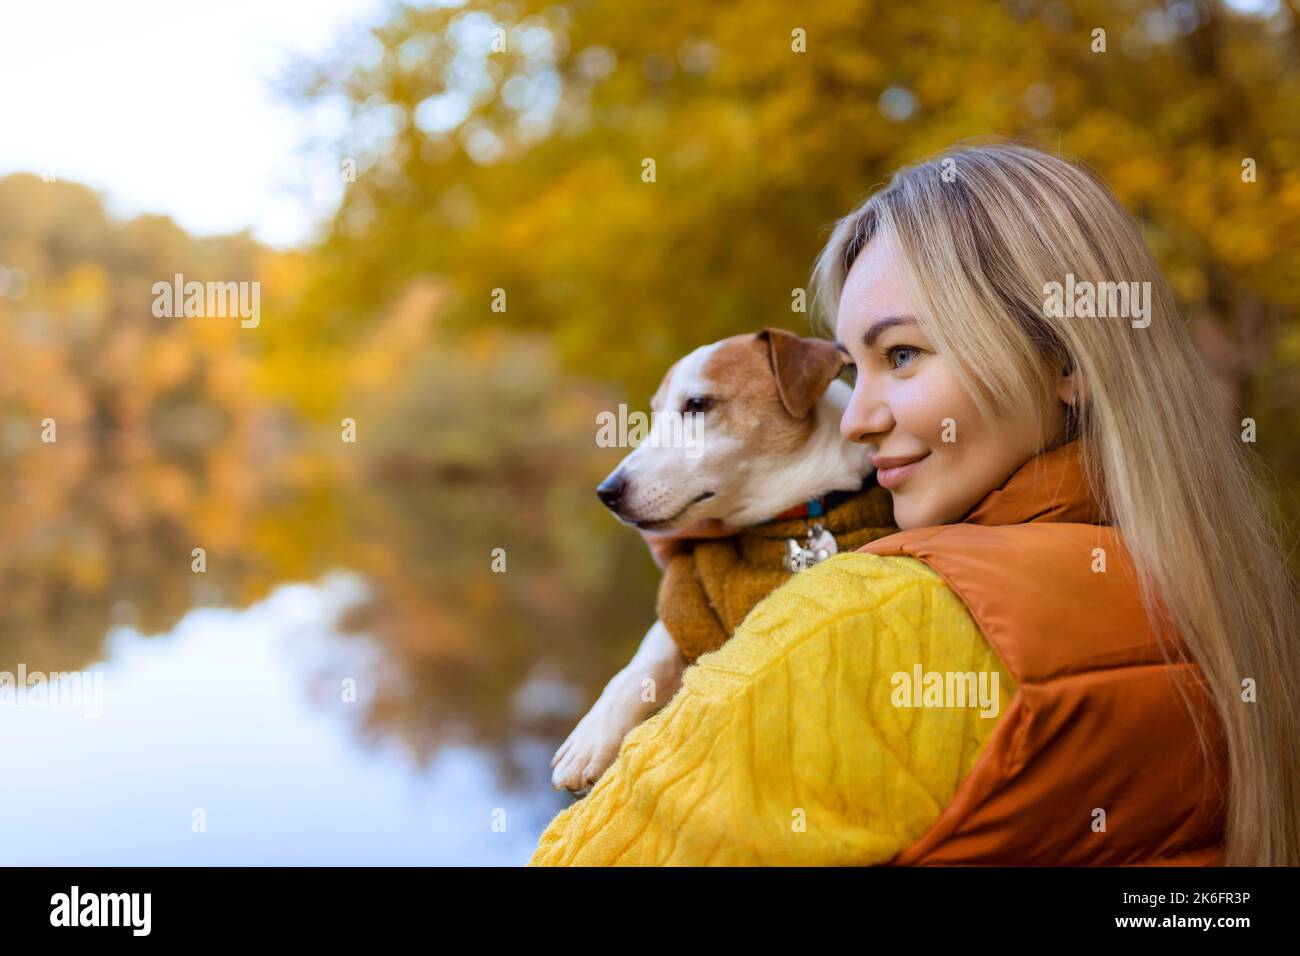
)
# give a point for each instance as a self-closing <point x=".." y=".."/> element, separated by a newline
<point x="934" y="452"/>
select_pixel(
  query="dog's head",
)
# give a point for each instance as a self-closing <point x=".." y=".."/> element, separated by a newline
<point x="736" y="434"/>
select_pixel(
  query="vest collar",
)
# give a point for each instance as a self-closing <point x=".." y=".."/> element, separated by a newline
<point x="1052" y="486"/>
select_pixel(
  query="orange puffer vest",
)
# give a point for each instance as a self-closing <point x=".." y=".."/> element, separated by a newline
<point x="1097" y="722"/>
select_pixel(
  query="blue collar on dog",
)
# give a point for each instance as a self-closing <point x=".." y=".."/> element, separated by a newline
<point x="819" y="506"/>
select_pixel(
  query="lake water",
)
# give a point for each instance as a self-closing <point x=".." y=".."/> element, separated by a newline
<point x="310" y="652"/>
<point x="209" y="748"/>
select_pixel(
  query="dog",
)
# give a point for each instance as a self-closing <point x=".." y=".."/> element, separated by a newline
<point x="770" y="404"/>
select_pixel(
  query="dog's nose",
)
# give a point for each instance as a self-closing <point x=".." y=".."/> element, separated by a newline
<point x="611" y="490"/>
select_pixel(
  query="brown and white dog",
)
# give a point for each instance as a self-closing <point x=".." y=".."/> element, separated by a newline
<point x="770" y="405"/>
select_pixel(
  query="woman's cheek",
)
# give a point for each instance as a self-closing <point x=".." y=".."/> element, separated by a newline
<point x="926" y="411"/>
<point x="950" y="414"/>
<point x="932" y="409"/>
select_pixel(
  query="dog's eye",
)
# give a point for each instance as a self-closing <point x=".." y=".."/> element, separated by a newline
<point x="697" y="403"/>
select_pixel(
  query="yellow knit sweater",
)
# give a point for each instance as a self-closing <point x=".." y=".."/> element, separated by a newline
<point x="784" y="746"/>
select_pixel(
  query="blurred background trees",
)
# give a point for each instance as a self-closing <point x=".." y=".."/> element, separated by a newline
<point x="505" y="142"/>
<point x="503" y="146"/>
<point x="171" y="434"/>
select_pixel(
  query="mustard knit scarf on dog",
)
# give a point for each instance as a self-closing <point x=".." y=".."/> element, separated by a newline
<point x="711" y="585"/>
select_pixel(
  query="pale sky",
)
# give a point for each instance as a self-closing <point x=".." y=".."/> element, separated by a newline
<point x="167" y="106"/>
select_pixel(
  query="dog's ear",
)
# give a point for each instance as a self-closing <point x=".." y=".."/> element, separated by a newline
<point x="803" y="368"/>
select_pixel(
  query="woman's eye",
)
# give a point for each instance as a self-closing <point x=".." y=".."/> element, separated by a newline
<point x="900" y="355"/>
<point x="697" y="403"/>
<point x="849" y="373"/>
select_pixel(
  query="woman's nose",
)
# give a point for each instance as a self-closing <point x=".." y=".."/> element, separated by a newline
<point x="866" y="418"/>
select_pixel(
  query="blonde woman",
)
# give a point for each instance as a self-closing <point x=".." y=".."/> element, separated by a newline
<point x="1080" y="649"/>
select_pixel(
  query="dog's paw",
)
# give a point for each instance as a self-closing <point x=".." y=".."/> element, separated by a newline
<point x="591" y="748"/>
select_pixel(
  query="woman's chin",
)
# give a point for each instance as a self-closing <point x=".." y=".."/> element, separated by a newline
<point x="912" y="511"/>
<point x="905" y="517"/>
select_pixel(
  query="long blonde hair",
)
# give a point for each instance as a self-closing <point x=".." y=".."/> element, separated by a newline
<point x="978" y="233"/>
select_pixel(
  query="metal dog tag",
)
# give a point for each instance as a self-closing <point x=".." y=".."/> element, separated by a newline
<point x="819" y="546"/>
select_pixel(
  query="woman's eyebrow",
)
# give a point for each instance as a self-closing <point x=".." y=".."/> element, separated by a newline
<point x="880" y="325"/>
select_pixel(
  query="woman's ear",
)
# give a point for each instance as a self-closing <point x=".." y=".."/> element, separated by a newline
<point x="803" y="368"/>
<point x="1070" y="386"/>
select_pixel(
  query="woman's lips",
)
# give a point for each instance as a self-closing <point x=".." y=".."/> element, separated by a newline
<point x="892" y="472"/>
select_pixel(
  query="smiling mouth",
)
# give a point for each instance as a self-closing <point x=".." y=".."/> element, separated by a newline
<point x="894" y="476"/>
<point x="663" y="523"/>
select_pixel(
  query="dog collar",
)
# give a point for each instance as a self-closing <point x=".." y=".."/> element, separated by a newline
<point x="819" y="506"/>
<point x="812" y="508"/>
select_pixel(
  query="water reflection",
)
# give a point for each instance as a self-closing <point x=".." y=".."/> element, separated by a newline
<point x="223" y="687"/>
<point x="213" y="723"/>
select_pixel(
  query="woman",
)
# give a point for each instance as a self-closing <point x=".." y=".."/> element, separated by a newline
<point x="1084" y="553"/>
